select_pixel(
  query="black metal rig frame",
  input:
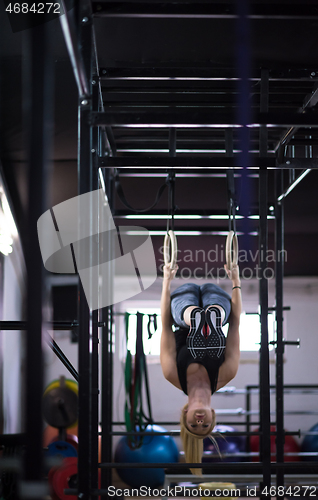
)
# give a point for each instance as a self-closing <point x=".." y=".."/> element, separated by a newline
<point x="97" y="156"/>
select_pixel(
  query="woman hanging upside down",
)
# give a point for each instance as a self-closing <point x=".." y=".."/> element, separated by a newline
<point x="197" y="358"/>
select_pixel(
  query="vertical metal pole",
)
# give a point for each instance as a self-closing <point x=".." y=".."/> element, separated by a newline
<point x="85" y="180"/>
<point x="84" y="318"/>
<point x="94" y="339"/>
<point x="107" y="364"/>
<point x="279" y="258"/>
<point x="39" y="114"/>
<point x="248" y="417"/>
<point x="263" y="293"/>
<point x="264" y="353"/>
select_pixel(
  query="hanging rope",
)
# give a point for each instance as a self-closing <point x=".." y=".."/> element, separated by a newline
<point x="122" y="197"/>
<point x="231" y="247"/>
<point x="170" y="247"/>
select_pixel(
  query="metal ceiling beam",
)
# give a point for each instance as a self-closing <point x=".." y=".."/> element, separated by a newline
<point x="200" y="166"/>
<point x="188" y="231"/>
<point x="195" y="116"/>
<point x="184" y="162"/>
<point x="199" y="75"/>
<point x="182" y="214"/>
<point x="179" y="172"/>
<point x="204" y="10"/>
<point x="301" y="163"/>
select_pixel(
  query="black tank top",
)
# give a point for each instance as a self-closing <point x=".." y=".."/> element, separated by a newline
<point x="185" y="358"/>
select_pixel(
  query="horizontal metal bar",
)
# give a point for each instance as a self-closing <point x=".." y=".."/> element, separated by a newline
<point x="201" y="77"/>
<point x="285" y="308"/>
<point x="210" y="163"/>
<point x="179" y="172"/>
<point x="287" y="386"/>
<point x="51" y="325"/>
<point x="177" y="432"/>
<point x="176" y="96"/>
<point x="178" y="423"/>
<point x="286" y="342"/>
<point x="195" y="116"/>
<point x="235" y="468"/>
<point x="181" y="214"/>
<point x="302" y="163"/>
<point x="182" y="10"/>
<point x="204" y="231"/>
<point x="236" y="478"/>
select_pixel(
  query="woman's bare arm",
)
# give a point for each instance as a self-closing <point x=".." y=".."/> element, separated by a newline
<point x="168" y="343"/>
<point x="230" y="366"/>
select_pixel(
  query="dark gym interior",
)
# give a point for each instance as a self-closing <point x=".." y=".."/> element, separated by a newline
<point x="133" y="96"/>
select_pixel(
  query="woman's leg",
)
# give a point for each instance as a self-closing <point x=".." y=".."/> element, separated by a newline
<point x="187" y="315"/>
<point x="183" y="300"/>
<point x="213" y="296"/>
<point x="217" y="304"/>
<point x="210" y="308"/>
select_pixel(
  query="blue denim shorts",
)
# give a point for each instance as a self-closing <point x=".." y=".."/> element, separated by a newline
<point x="203" y="296"/>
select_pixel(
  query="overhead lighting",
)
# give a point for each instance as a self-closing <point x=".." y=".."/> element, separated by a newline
<point x="178" y="151"/>
<point x="178" y="233"/>
<point x="185" y="151"/>
<point x="152" y="217"/>
<point x="182" y="78"/>
<point x="187" y="217"/>
<point x="256" y="217"/>
<point x="223" y="217"/>
<point x="181" y="125"/>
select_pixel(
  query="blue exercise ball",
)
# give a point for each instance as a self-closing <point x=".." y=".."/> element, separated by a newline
<point x="61" y="449"/>
<point x="310" y="444"/>
<point x="154" y="449"/>
<point x="58" y="449"/>
<point x="227" y="444"/>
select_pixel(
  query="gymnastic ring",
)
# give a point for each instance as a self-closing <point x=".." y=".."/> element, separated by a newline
<point x="231" y="250"/>
<point x="170" y="241"/>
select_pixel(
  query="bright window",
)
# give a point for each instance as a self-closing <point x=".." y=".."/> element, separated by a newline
<point x="250" y="331"/>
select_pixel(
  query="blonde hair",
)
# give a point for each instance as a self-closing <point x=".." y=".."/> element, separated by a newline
<point x="193" y="443"/>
